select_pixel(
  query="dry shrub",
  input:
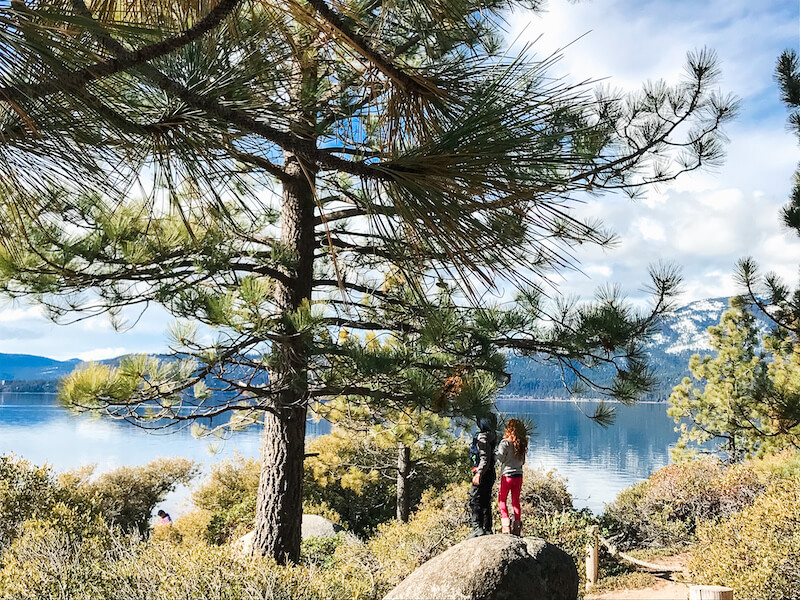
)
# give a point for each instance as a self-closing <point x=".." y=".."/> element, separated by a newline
<point x="26" y="491"/>
<point x="569" y="530"/>
<point x="440" y="522"/>
<point x="228" y="495"/>
<point x="664" y="510"/>
<point x="755" y="551"/>
<point x="544" y="492"/>
<point x="126" y="496"/>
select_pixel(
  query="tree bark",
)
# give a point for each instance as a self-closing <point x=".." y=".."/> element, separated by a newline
<point x="279" y="506"/>
<point x="403" y="470"/>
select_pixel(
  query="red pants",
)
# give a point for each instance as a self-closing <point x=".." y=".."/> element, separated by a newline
<point x="513" y="485"/>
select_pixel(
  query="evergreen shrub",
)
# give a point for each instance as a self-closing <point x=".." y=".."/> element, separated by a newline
<point x="126" y="496"/>
<point x="26" y="491"/>
<point x="354" y="476"/>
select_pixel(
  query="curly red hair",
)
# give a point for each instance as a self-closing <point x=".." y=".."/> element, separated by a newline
<point x="518" y="436"/>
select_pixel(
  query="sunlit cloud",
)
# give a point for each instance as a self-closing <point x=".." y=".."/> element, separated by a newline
<point x="101" y="354"/>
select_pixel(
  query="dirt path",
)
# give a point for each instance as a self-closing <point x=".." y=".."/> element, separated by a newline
<point x="664" y="589"/>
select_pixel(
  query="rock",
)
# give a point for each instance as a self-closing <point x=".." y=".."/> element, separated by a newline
<point x="494" y="567"/>
<point x="244" y="545"/>
<point x="316" y="526"/>
<point x="312" y="526"/>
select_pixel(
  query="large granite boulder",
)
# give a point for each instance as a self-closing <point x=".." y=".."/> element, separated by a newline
<point x="494" y="567"/>
<point x="312" y="526"/>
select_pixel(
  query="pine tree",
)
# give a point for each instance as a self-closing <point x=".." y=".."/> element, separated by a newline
<point x="771" y="295"/>
<point x="724" y="411"/>
<point x="259" y="168"/>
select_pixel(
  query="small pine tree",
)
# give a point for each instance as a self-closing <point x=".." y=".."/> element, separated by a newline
<point x="724" y="409"/>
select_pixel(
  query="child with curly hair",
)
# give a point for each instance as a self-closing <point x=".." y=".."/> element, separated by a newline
<point x="510" y="454"/>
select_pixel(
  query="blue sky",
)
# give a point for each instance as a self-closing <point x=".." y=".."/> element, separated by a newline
<point x="704" y="222"/>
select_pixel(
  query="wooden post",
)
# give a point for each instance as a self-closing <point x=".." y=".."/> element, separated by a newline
<point x="710" y="592"/>
<point x="592" y="558"/>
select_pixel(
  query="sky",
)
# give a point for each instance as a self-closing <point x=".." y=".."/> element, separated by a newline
<point x="703" y="222"/>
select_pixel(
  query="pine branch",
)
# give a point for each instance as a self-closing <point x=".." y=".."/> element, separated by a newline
<point x="75" y="80"/>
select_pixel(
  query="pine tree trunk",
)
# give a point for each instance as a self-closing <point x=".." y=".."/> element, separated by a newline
<point x="279" y="509"/>
<point x="279" y="505"/>
<point x="403" y="470"/>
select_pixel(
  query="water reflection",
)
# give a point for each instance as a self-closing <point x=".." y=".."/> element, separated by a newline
<point x="597" y="462"/>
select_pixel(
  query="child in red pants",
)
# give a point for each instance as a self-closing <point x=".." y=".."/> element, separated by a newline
<point x="510" y="455"/>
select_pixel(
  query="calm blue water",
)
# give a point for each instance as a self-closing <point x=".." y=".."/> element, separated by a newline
<point x="597" y="462"/>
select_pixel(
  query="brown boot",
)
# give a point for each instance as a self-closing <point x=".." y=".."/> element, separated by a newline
<point x="516" y="528"/>
<point x="505" y="525"/>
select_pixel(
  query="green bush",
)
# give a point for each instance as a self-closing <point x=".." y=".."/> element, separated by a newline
<point x="126" y="496"/>
<point x="62" y="556"/>
<point x="229" y="495"/>
<point x="755" y="551"/>
<point x="440" y="522"/>
<point x="355" y="477"/>
<point x="78" y="554"/>
<point x="26" y="491"/>
<point x="47" y="562"/>
<point x="569" y="530"/>
<point x="664" y="510"/>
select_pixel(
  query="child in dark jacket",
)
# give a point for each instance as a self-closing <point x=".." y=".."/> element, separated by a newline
<point x="483" y="476"/>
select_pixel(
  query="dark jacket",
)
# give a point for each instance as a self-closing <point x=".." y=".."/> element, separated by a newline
<point x="483" y="452"/>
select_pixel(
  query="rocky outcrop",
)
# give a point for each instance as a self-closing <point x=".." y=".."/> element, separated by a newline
<point x="494" y="567"/>
<point x="312" y="526"/>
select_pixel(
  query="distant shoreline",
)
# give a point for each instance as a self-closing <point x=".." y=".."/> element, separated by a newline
<point x="580" y="400"/>
<point x="512" y="397"/>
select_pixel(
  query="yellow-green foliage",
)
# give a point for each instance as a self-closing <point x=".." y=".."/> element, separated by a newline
<point x="229" y="496"/>
<point x="783" y="465"/>
<point x="354" y="474"/>
<point x="61" y="556"/>
<point x="191" y="527"/>
<point x="26" y="491"/>
<point x="569" y="530"/>
<point x="544" y="492"/>
<point x="440" y="522"/>
<point x="755" y="551"/>
<point x="79" y="556"/>
<point x="665" y="509"/>
<point x="126" y="496"/>
<point x="47" y="562"/>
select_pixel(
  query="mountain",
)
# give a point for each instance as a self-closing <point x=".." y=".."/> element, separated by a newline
<point x="16" y="367"/>
<point x="683" y="333"/>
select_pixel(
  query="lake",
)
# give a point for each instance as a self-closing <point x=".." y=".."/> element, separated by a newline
<point x="597" y="462"/>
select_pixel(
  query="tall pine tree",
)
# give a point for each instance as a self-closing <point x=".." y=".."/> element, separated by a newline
<point x="259" y="168"/>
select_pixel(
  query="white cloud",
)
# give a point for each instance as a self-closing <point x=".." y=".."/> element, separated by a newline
<point x="603" y="271"/>
<point x="707" y="220"/>
<point x="649" y="229"/>
<point x="101" y="353"/>
<point x="15" y="315"/>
